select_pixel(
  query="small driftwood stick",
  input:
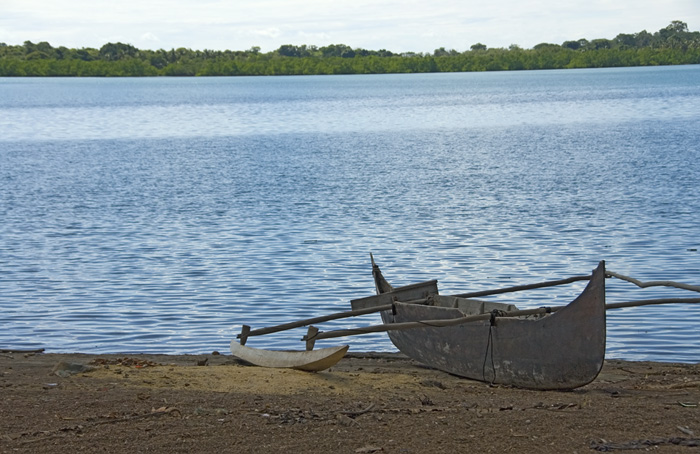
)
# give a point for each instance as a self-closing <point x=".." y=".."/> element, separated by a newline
<point x="11" y="350"/>
<point x="353" y="414"/>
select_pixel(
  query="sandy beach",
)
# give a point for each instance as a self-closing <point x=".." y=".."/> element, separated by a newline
<point x="369" y="402"/>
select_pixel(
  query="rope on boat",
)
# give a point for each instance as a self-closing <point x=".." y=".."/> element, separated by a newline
<point x="489" y="347"/>
<point x="489" y="344"/>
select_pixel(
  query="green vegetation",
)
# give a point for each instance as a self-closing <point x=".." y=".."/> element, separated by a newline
<point x="673" y="45"/>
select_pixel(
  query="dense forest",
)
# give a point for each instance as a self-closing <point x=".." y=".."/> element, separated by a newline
<point x="673" y="45"/>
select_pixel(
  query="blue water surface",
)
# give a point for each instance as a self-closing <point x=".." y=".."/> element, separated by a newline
<point x="161" y="214"/>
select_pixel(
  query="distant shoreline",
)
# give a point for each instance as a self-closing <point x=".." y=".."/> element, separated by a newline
<point x="673" y="45"/>
<point x="490" y="62"/>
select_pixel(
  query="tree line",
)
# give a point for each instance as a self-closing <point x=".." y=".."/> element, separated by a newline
<point x="672" y="45"/>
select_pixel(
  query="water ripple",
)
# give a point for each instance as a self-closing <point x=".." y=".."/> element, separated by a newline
<point x="161" y="215"/>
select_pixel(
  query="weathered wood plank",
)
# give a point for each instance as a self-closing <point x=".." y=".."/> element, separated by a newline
<point x="411" y="292"/>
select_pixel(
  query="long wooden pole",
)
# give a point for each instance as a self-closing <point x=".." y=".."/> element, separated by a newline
<point x="650" y="302"/>
<point x="518" y="288"/>
<point x="638" y="283"/>
<point x="315" y="335"/>
<point x="318" y="335"/>
<point x="569" y="280"/>
<point x="247" y="332"/>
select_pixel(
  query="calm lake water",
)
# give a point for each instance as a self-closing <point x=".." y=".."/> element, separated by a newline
<point x="158" y="215"/>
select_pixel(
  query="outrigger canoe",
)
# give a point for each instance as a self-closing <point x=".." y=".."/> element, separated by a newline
<point x="562" y="349"/>
<point x="559" y="347"/>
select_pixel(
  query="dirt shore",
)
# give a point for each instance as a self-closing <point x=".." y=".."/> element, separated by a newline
<point x="367" y="403"/>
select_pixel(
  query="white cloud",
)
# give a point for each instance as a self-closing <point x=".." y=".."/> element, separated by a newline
<point x="272" y="32"/>
<point x="149" y="37"/>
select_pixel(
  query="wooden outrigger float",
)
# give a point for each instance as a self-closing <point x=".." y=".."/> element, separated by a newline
<point x="560" y="347"/>
<point x="310" y="361"/>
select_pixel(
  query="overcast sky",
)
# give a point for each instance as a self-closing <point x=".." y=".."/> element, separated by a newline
<point x="396" y="25"/>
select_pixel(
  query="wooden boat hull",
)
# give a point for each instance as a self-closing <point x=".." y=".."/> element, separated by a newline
<point x="562" y="350"/>
<point x="310" y="361"/>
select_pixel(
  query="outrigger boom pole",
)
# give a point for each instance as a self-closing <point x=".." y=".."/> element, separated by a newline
<point x="314" y="334"/>
<point x="247" y="332"/>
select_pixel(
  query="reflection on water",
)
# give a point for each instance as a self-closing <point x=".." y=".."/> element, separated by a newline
<point x="158" y="215"/>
